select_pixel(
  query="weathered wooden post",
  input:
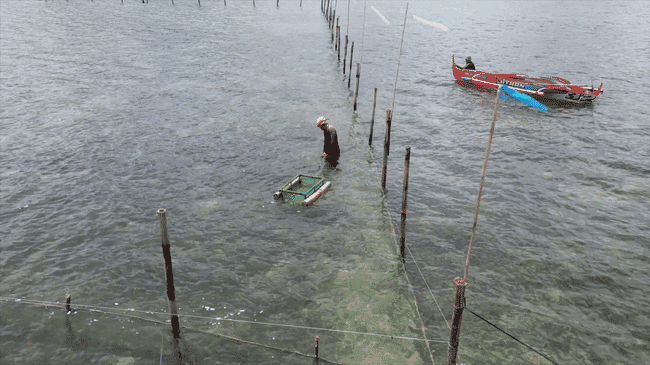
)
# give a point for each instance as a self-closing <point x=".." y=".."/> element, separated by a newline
<point x="356" y="89"/>
<point x="386" y="143"/>
<point x="338" y="42"/>
<point x="372" y="121"/>
<point x="68" y="298"/>
<point x="402" y="238"/>
<point x="330" y="23"/>
<point x="459" y="305"/>
<point x="316" y="347"/>
<point x="350" y="73"/>
<point x="169" y="275"/>
<point x="345" y="53"/>
<point x="336" y="36"/>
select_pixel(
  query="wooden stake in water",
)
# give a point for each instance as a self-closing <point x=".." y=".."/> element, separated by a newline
<point x="338" y="37"/>
<point x="68" y="298"/>
<point x="350" y="73"/>
<point x="169" y="274"/>
<point x="372" y="120"/>
<point x="459" y="305"/>
<point x="402" y="237"/>
<point x="480" y="189"/>
<point x="386" y="147"/>
<point x="316" y="347"/>
<point x="345" y="53"/>
<point x="356" y="89"/>
<point x="330" y="24"/>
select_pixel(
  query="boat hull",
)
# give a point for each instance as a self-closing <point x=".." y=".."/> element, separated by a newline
<point x="551" y="89"/>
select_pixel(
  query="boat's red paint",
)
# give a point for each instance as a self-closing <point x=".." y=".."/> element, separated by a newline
<point x="542" y="88"/>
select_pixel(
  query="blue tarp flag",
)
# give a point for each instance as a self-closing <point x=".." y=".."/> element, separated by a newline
<point x="521" y="97"/>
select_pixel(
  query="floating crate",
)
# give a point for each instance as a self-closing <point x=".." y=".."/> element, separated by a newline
<point x="302" y="189"/>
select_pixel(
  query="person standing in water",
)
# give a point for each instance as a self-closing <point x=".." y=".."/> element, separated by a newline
<point x="331" y="150"/>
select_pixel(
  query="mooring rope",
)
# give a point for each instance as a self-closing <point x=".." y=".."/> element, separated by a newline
<point x="95" y="308"/>
<point x="513" y="337"/>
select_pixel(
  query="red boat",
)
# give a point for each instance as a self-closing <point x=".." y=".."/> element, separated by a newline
<point x="542" y="88"/>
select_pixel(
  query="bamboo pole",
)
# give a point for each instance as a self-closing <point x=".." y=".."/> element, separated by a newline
<point x="372" y="120"/>
<point x="356" y="89"/>
<point x="459" y="305"/>
<point x="386" y="147"/>
<point x="480" y="189"/>
<point x="407" y="166"/>
<point x="399" y="58"/>
<point x="169" y="274"/>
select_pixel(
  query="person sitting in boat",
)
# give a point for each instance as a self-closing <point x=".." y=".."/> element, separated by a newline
<point x="331" y="150"/>
<point x="469" y="64"/>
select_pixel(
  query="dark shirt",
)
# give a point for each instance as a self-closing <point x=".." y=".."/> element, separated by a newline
<point x="469" y="66"/>
<point x="331" y="144"/>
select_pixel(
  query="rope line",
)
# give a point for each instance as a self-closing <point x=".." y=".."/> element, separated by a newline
<point x="94" y="308"/>
<point x="399" y="59"/>
<point x="427" y="284"/>
<point x="363" y="30"/>
<point x="230" y="338"/>
<point x="511" y="336"/>
<point x="415" y="300"/>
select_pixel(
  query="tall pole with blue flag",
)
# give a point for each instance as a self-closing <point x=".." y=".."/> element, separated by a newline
<point x="523" y="98"/>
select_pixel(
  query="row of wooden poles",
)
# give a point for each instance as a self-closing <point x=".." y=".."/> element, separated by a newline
<point x="224" y="2"/>
<point x="328" y="9"/>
